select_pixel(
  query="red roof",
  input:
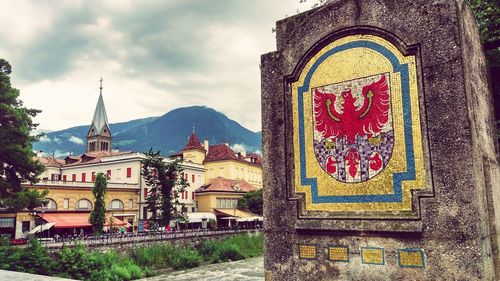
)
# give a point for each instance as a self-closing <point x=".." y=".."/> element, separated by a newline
<point x="50" y="161"/>
<point x="226" y="185"/>
<point x="193" y="143"/>
<point x="71" y="220"/>
<point x="220" y="152"/>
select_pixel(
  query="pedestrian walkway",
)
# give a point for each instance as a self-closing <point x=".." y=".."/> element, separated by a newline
<point x="20" y="276"/>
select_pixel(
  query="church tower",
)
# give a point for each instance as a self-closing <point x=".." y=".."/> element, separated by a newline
<point x="99" y="135"/>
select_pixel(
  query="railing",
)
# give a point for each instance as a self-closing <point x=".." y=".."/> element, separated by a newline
<point x="131" y="238"/>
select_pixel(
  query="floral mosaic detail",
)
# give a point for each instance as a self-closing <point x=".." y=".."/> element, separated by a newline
<point x="353" y="132"/>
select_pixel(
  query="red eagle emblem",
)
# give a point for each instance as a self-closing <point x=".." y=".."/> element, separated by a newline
<point x="352" y="120"/>
<point x="353" y="136"/>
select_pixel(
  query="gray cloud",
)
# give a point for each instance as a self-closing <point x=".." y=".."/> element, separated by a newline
<point x="184" y="52"/>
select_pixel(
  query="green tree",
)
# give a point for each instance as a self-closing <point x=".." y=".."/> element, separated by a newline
<point x="165" y="181"/>
<point x="17" y="164"/>
<point x="252" y="201"/>
<point x="98" y="215"/>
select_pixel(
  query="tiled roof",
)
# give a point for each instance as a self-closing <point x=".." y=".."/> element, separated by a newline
<point x="91" y="157"/>
<point x="226" y="185"/>
<point x="220" y="152"/>
<point x="193" y="143"/>
<point x="50" y="161"/>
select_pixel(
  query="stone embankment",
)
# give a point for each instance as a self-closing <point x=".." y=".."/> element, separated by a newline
<point x="124" y="242"/>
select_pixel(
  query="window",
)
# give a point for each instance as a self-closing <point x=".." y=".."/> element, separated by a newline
<point x="66" y="203"/>
<point x="144" y="212"/>
<point x="145" y="193"/>
<point x="54" y="177"/>
<point x="192" y="178"/>
<point x="50" y="204"/>
<point x="93" y="176"/>
<point x="116" y="205"/>
<point x="183" y="195"/>
<point x="25" y="226"/>
<point x="227" y="203"/>
<point x="192" y="210"/>
<point x="192" y="195"/>
<point x="83" y="177"/>
<point x="73" y="177"/>
<point x="84" y="204"/>
<point x="108" y="173"/>
<point x="129" y="172"/>
<point x="130" y="203"/>
<point x="64" y="178"/>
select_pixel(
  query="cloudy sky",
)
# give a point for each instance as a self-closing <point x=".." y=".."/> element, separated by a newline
<point x="154" y="56"/>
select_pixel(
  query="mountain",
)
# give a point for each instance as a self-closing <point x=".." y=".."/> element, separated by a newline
<point x="74" y="139"/>
<point x="167" y="133"/>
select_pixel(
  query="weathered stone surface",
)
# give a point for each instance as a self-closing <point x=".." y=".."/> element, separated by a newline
<point x="458" y="223"/>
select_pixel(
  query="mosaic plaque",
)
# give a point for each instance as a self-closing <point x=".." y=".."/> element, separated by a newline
<point x="338" y="253"/>
<point x="358" y="145"/>
<point x="411" y="258"/>
<point x="370" y="255"/>
<point x="307" y="251"/>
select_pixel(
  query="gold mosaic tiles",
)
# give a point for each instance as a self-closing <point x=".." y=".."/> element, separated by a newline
<point x="307" y="251"/>
<point x="411" y="258"/>
<point x="337" y="253"/>
<point x="372" y="255"/>
<point x="349" y="59"/>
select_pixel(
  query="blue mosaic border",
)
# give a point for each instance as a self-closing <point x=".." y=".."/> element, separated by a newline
<point x="339" y="246"/>
<point x="398" y="178"/>
<point x="373" y="248"/>
<point x="412" y="250"/>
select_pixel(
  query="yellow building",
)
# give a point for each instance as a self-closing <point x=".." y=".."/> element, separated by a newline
<point x="220" y="196"/>
<point x="221" y="161"/>
<point x="229" y="176"/>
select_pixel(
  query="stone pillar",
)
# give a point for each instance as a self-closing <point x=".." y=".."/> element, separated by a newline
<point x="380" y="162"/>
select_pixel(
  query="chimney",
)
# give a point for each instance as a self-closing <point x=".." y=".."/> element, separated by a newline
<point x="205" y="145"/>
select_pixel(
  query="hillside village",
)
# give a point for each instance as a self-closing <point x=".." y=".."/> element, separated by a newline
<point x="217" y="177"/>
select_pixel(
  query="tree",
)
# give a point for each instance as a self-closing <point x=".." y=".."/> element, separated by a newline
<point x="252" y="201"/>
<point x="165" y="182"/>
<point x="17" y="162"/>
<point x="98" y="215"/>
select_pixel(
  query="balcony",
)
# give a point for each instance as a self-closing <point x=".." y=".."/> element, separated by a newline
<point x="49" y="183"/>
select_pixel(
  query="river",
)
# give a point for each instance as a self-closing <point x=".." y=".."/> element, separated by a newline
<point x="244" y="270"/>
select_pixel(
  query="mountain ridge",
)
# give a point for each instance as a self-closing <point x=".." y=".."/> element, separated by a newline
<point x="167" y="133"/>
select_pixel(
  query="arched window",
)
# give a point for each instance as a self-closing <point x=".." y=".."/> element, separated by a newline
<point x="49" y="204"/>
<point x="116" y="204"/>
<point x="84" y="204"/>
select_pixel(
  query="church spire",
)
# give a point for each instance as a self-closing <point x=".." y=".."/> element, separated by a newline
<point x="100" y="120"/>
<point x="99" y="135"/>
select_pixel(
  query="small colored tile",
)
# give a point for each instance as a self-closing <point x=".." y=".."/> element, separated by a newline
<point x="372" y="255"/>
<point x="413" y="258"/>
<point x="338" y="253"/>
<point x="307" y="251"/>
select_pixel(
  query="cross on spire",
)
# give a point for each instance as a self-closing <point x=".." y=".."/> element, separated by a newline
<point x="100" y="88"/>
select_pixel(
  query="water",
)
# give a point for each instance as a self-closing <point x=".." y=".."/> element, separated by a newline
<point x="244" y="270"/>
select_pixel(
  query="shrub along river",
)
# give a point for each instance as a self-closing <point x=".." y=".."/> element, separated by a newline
<point x="251" y="269"/>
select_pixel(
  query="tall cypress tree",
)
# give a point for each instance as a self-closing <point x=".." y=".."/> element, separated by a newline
<point x="98" y="215"/>
<point x="16" y="156"/>
<point x="165" y="182"/>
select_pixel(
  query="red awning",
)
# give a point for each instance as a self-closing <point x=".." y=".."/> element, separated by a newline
<point x="72" y="220"/>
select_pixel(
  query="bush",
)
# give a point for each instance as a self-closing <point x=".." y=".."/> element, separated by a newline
<point x="79" y="263"/>
<point x="185" y="258"/>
